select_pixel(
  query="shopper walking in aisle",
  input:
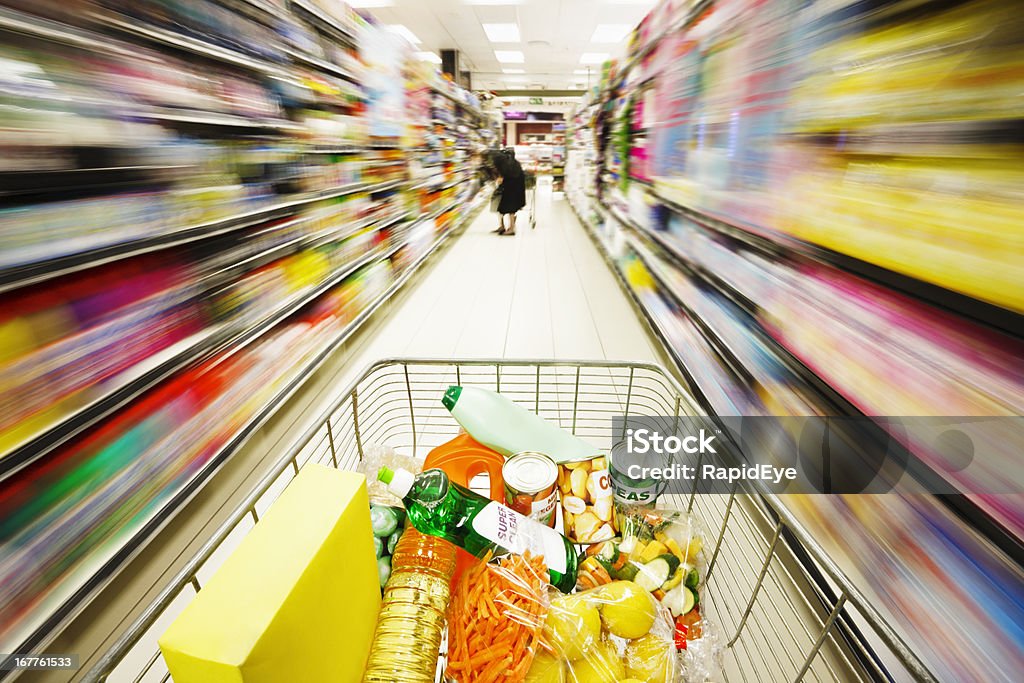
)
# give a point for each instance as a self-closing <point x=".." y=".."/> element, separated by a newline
<point x="512" y="188"/>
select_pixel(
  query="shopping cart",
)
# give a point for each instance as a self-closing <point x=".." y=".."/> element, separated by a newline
<point x="530" y="182"/>
<point x="783" y="609"/>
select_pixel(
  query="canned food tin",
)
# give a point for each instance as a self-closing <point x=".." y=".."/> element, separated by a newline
<point x="586" y="491"/>
<point x="632" y="490"/>
<point x="530" y="486"/>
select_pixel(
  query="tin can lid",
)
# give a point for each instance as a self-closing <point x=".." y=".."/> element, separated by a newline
<point x="529" y="472"/>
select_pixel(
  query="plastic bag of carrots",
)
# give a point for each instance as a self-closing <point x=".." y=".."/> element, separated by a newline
<point x="496" y="617"/>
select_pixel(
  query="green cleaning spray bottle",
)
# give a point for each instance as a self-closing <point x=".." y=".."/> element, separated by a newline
<point x="440" y="507"/>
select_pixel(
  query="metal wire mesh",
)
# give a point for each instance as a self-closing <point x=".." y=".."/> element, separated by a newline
<point x="783" y="612"/>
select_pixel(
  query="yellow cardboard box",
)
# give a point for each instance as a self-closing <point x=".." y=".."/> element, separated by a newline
<point x="297" y="601"/>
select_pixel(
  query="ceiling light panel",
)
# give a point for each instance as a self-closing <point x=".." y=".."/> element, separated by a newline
<point x="611" y="33"/>
<point x="403" y="31"/>
<point x="509" y="56"/>
<point x="502" y="33"/>
<point x="593" y="58"/>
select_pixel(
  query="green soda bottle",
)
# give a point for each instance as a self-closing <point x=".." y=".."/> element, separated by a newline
<point x="440" y="507"/>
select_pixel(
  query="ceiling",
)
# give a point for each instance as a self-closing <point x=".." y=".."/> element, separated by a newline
<point x="554" y="35"/>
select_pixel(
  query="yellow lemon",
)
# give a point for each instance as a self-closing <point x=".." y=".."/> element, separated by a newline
<point x="651" y="659"/>
<point x="601" y="664"/>
<point x="572" y="625"/>
<point x="545" y="669"/>
<point x="627" y="610"/>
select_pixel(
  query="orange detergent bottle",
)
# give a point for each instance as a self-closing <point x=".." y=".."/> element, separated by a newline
<point x="461" y="459"/>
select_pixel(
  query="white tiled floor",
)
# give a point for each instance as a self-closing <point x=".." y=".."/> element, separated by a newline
<point x="544" y="293"/>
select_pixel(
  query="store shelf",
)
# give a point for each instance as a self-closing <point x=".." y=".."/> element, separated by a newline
<point x="77" y="180"/>
<point x="722" y="347"/>
<point x="40" y="271"/>
<point x="323" y="21"/>
<point x="225" y="274"/>
<point x="216" y="119"/>
<point x="159" y="367"/>
<point x="109" y="567"/>
<point x="776" y="244"/>
<point x="264" y="12"/>
<point x="221" y="257"/>
<point x="832" y="401"/>
<point x="355" y="149"/>
<point x="14" y="21"/>
<point x="177" y="41"/>
<point x="827" y="397"/>
<point x="472" y="110"/>
<point x="655" y="325"/>
<point x="321" y="65"/>
<point x="694" y="13"/>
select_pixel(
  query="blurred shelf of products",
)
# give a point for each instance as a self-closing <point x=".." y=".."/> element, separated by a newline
<point x="818" y="208"/>
<point x="199" y="202"/>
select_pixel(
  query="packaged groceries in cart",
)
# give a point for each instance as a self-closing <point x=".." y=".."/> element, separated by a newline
<point x="689" y="589"/>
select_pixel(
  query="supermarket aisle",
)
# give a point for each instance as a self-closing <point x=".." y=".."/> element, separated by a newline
<point x="545" y="293"/>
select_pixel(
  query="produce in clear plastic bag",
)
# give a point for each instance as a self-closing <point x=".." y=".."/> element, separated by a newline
<point x="495" y="619"/>
<point x="660" y="550"/>
<point x="387" y="515"/>
<point x="608" y="634"/>
<point x="700" y="661"/>
<point x="376" y="456"/>
<point x="387" y="523"/>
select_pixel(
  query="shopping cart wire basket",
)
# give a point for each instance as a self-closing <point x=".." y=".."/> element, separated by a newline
<point x="784" y="609"/>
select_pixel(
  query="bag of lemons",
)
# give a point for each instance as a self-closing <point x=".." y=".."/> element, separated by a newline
<point x="616" y="633"/>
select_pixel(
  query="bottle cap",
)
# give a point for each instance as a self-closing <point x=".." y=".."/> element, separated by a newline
<point x="451" y="397"/>
<point x="399" y="481"/>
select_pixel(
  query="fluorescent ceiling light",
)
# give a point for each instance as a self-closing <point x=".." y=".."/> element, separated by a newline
<point x="610" y="33"/>
<point x="593" y="58"/>
<point x="369" y="4"/>
<point x="428" y="57"/>
<point x="401" y="30"/>
<point x="502" y="33"/>
<point x="514" y="71"/>
<point x="509" y="56"/>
